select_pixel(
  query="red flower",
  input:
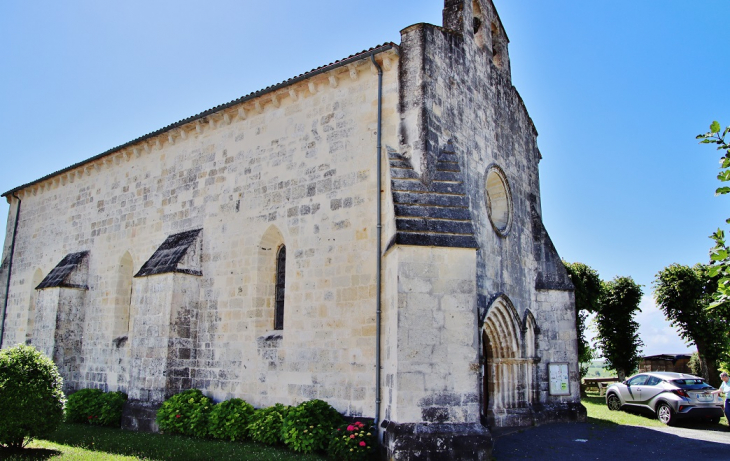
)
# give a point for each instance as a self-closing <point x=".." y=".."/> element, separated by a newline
<point x="352" y="436"/>
<point x="90" y="417"/>
<point x="362" y="443"/>
<point x="177" y="416"/>
<point x="350" y="427"/>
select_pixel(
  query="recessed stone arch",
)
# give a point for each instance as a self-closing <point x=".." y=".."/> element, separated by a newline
<point x="264" y="302"/>
<point x="479" y="25"/>
<point x="498" y="45"/>
<point x="508" y="349"/>
<point x="529" y="352"/>
<point x="30" y="324"/>
<point x="123" y="297"/>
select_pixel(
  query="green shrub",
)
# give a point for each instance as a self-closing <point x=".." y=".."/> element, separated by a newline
<point x="265" y="426"/>
<point x="352" y="442"/>
<point x="81" y="405"/>
<point x="112" y="404"/>
<point x="229" y="420"/>
<point x="185" y="413"/>
<point x="308" y="426"/>
<point x="31" y="396"/>
<point x="92" y="406"/>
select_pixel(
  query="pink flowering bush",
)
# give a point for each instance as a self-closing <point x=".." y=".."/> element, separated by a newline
<point x="352" y="441"/>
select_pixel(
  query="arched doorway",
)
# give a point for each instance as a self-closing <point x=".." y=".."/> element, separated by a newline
<point x="508" y="347"/>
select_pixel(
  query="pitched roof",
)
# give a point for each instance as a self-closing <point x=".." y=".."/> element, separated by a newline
<point x="319" y="70"/>
<point x="59" y="275"/>
<point x="168" y="255"/>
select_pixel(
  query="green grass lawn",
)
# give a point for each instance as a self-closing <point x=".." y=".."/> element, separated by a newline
<point x="81" y="442"/>
<point x="598" y="412"/>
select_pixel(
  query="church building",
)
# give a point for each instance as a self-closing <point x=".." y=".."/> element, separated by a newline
<point x="368" y="233"/>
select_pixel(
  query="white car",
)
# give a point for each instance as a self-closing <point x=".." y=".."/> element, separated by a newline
<point x="671" y="396"/>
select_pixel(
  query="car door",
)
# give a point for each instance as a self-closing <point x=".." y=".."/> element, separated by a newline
<point x="650" y="389"/>
<point x="632" y="391"/>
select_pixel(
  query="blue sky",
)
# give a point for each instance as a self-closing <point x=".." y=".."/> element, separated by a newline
<point x="618" y="90"/>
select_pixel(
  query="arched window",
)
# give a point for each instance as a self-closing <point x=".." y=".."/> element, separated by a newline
<point x="280" y="288"/>
<point x="478" y="24"/>
<point x="497" y="46"/>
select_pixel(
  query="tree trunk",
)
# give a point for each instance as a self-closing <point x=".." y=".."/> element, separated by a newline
<point x="708" y="366"/>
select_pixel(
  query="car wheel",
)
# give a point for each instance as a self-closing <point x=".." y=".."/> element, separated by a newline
<point x="665" y="414"/>
<point x="613" y="402"/>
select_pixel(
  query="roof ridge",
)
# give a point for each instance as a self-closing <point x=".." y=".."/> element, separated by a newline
<point x="303" y="76"/>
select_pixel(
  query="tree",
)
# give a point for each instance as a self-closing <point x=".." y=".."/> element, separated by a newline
<point x="618" y="335"/>
<point x="31" y="396"/>
<point x="720" y="254"/>
<point x="683" y="293"/>
<point x="587" y="299"/>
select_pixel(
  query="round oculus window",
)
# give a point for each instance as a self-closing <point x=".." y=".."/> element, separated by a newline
<point x="499" y="200"/>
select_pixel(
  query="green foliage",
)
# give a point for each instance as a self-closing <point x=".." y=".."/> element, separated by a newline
<point x="351" y="442"/>
<point x="695" y="367"/>
<point x="720" y="254"/>
<point x="229" y="420"/>
<point x="185" y="413"/>
<point x="81" y="404"/>
<point x="683" y="294"/>
<point x="308" y="426"/>
<point x="265" y="426"/>
<point x="587" y="300"/>
<point x="92" y="406"/>
<point x="31" y="396"/>
<point x="618" y="335"/>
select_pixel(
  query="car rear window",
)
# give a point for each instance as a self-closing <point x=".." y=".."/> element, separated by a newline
<point x="691" y="383"/>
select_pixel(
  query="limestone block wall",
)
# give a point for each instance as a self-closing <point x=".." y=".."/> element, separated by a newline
<point x="292" y="167"/>
<point x="431" y="342"/>
<point x="47" y="303"/>
<point x="161" y="340"/>
<point x="59" y="331"/>
<point x="457" y="87"/>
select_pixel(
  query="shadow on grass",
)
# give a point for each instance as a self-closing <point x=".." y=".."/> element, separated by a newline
<point x="27" y="453"/>
<point x="167" y="447"/>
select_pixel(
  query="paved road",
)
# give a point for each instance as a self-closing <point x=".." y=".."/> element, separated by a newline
<point x="596" y="441"/>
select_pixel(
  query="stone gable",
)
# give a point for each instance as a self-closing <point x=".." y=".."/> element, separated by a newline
<point x="236" y="251"/>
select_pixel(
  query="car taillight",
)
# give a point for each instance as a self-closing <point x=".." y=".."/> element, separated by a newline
<point x="681" y="393"/>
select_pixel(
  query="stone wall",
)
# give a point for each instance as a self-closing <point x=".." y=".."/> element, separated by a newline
<point x="458" y="97"/>
<point x="292" y="167"/>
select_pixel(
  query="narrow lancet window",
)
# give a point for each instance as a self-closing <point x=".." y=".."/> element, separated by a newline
<point x="280" y="285"/>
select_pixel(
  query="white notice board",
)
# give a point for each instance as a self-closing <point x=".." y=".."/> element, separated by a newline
<point x="558" y="375"/>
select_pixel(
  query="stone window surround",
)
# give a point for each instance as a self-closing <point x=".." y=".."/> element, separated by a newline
<point x="502" y="197"/>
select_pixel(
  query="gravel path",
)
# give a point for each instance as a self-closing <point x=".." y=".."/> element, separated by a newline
<point x="595" y="441"/>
